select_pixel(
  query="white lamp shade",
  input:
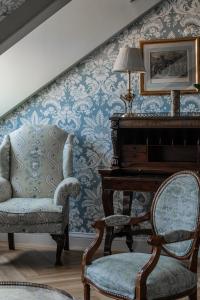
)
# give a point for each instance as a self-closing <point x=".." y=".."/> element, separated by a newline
<point x="129" y="59"/>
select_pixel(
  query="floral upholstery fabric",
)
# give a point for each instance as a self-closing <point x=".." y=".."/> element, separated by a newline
<point x="5" y="157"/>
<point x="177" y="208"/>
<point x="36" y="160"/>
<point x="117" y="274"/>
<point x="5" y="189"/>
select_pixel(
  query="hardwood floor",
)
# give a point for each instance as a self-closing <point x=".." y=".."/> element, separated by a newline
<point x="36" y="264"/>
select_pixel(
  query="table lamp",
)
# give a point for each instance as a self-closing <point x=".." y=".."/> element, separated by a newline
<point x="129" y="60"/>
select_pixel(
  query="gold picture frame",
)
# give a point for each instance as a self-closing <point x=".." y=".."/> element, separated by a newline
<point x="170" y="64"/>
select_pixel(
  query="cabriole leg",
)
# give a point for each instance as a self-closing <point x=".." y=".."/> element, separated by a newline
<point x="66" y="245"/>
<point x="86" y="291"/>
<point x="11" y="241"/>
<point x="193" y="296"/>
<point x="60" y="239"/>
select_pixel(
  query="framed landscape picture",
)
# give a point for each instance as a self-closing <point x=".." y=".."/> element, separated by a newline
<point x="170" y="65"/>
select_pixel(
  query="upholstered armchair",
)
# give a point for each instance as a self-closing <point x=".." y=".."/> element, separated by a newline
<point x="171" y="274"/>
<point x="35" y="183"/>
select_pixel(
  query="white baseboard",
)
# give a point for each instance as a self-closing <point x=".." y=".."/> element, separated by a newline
<point x="78" y="241"/>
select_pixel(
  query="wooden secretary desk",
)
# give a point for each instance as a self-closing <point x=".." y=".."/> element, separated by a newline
<point x="146" y="150"/>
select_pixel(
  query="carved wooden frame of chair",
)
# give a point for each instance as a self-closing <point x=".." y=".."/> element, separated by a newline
<point x="156" y="241"/>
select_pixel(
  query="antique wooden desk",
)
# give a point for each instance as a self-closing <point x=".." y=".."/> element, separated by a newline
<point x="146" y="150"/>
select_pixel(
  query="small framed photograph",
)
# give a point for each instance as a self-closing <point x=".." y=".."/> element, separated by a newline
<point x="170" y="65"/>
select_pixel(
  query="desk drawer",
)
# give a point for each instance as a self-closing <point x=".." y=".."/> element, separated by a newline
<point x="134" y="153"/>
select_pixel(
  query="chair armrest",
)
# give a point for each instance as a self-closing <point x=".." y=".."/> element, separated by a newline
<point x="157" y="241"/>
<point x="171" y="237"/>
<point x="178" y="236"/>
<point x="5" y="189"/>
<point x="68" y="187"/>
<point x="113" y="220"/>
<point x="142" y="275"/>
<point x="91" y="250"/>
<point x="120" y="220"/>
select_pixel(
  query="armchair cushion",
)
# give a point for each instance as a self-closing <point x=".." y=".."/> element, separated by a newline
<point x="24" y="212"/>
<point x="5" y="189"/>
<point x="117" y="274"/>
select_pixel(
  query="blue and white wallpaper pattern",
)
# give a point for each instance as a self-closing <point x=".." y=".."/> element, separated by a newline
<point x="8" y="6"/>
<point x="82" y="100"/>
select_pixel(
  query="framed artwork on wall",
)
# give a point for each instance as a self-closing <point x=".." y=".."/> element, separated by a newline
<point x="170" y="65"/>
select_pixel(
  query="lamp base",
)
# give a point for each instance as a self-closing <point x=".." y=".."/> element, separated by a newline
<point x="128" y="102"/>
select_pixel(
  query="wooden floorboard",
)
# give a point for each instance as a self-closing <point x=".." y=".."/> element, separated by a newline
<point x="36" y="264"/>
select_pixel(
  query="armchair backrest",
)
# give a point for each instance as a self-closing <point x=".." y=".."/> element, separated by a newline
<point x="36" y="160"/>
<point x="175" y="207"/>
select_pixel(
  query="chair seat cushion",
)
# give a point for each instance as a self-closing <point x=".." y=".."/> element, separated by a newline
<point x="16" y="211"/>
<point x="116" y="274"/>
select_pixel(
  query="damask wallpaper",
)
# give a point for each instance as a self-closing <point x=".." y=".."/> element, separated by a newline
<point x="82" y="100"/>
<point x="8" y="6"/>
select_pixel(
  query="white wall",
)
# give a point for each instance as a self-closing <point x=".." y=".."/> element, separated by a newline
<point x="59" y="42"/>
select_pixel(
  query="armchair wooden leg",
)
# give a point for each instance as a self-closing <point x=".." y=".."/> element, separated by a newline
<point x="193" y="296"/>
<point x="66" y="245"/>
<point x="11" y="241"/>
<point x="86" y="291"/>
<point x="59" y="238"/>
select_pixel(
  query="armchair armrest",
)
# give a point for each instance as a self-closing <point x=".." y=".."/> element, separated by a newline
<point x="157" y="241"/>
<point x="120" y="220"/>
<point x="113" y="220"/>
<point x="5" y="189"/>
<point x="171" y="237"/>
<point x="68" y="187"/>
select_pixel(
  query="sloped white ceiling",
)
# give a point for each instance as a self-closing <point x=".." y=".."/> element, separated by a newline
<point x="60" y="42"/>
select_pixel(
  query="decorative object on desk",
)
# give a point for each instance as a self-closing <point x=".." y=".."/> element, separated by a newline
<point x="170" y="65"/>
<point x="175" y="103"/>
<point x="129" y="60"/>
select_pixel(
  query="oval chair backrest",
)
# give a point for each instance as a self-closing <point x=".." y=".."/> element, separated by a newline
<point x="176" y="207"/>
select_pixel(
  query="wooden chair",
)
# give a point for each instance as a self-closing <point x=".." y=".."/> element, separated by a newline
<point x="176" y="231"/>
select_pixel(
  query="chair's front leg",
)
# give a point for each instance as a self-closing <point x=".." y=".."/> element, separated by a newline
<point x="60" y="239"/>
<point x="193" y="296"/>
<point x="107" y="200"/>
<point x="11" y="241"/>
<point x="66" y="244"/>
<point x="86" y="291"/>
